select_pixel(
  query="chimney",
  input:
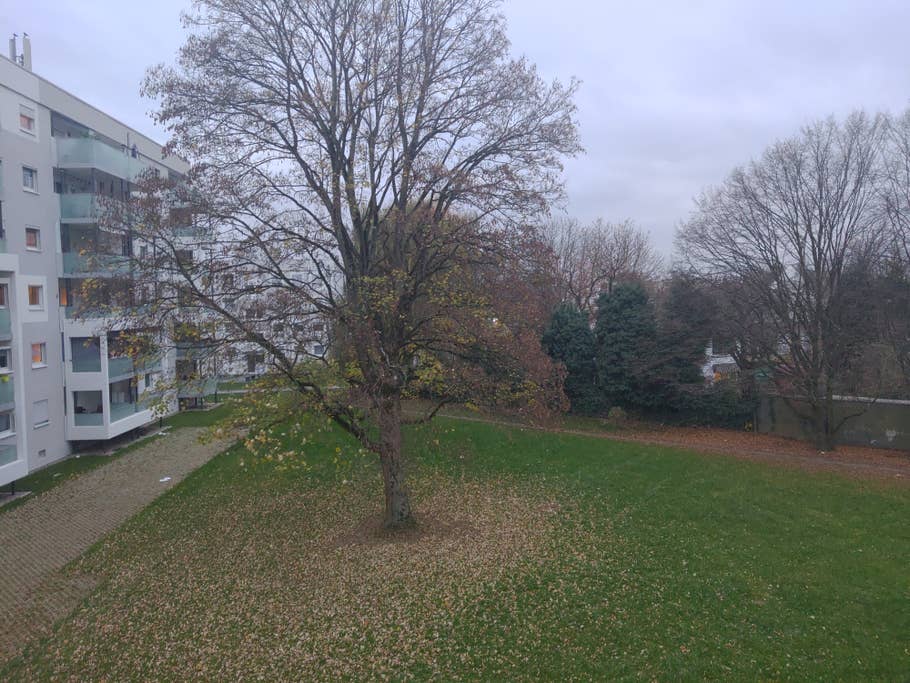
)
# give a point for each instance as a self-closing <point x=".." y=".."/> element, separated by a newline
<point x="12" y="49"/>
<point x="26" y="52"/>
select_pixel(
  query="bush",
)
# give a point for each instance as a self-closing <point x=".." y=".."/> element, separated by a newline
<point x="617" y="416"/>
<point x="722" y="404"/>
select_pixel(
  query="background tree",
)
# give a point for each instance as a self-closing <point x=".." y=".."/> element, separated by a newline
<point x="893" y="295"/>
<point x="786" y="236"/>
<point x="569" y="340"/>
<point x="626" y="331"/>
<point x="590" y="259"/>
<point x="367" y="164"/>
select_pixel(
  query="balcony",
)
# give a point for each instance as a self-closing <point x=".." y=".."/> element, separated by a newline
<point x="79" y="208"/>
<point x="74" y="312"/>
<point x="73" y="153"/>
<point x="94" y="264"/>
<point x="120" y="367"/>
<point x="121" y="411"/>
<point x="7" y="455"/>
<point x="6" y="329"/>
<point x="7" y="389"/>
<point x="88" y="419"/>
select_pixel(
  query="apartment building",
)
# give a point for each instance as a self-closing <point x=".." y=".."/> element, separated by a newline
<point x="63" y="379"/>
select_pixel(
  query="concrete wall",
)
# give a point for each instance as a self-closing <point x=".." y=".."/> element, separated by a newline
<point x="883" y="424"/>
<point x="43" y="444"/>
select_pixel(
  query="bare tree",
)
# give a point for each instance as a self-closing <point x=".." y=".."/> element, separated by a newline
<point x="893" y="302"/>
<point x="368" y="163"/>
<point x="594" y="258"/>
<point x="792" y="237"/>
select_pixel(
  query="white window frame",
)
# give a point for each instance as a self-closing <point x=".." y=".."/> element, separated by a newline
<point x="12" y="424"/>
<point x="38" y="424"/>
<point x="40" y="305"/>
<point x="38" y="232"/>
<point x="43" y="362"/>
<point x="26" y="188"/>
<point x="32" y="115"/>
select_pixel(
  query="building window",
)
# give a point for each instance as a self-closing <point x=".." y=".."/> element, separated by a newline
<point x="40" y="413"/>
<point x="35" y="296"/>
<point x="27" y="119"/>
<point x="7" y="424"/>
<point x="29" y="179"/>
<point x="39" y="355"/>
<point x="4" y="292"/>
<point x="6" y="359"/>
<point x="33" y="239"/>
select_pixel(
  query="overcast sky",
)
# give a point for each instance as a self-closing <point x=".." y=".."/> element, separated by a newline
<point x="674" y="94"/>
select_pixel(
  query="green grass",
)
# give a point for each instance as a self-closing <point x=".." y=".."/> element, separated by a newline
<point x="198" y="418"/>
<point x="578" y="559"/>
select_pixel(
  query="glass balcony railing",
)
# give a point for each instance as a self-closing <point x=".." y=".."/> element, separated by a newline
<point x="7" y="389"/>
<point x="92" y="153"/>
<point x="7" y="455"/>
<point x="88" y="419"/>
<point x="81" y="264"/>
<point x="117" y="367"/>
<point x="72" y="312"/>
<point x="2" y="245"/>
<point x="79" y="207"/>
<point x="6" y="329"/>
<point x="120" y="411"/>
<point x="87" y="364"/>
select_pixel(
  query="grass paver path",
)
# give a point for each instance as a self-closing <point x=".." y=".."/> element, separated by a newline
<point x="40" y="537"/>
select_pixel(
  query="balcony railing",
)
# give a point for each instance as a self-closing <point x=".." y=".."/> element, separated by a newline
<point x="121" y="411"/>
<point x="90" y="264"/>
<point x="87" y="364"/>
<point x="7" y="389"/>
<point x="88" y="419"/>
<point x="7" y="455"/>
<point x="92" y="153"/>
<point x="79" y="207"/>
<point x="119" y="367"/>
<point x="6" y="330"/>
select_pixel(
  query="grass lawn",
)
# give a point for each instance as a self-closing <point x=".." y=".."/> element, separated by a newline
<point x="539" y="557"/>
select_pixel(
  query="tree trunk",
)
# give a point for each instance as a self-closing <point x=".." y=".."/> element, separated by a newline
<point x="822" y="425"/>
<point x="397" y="499"/>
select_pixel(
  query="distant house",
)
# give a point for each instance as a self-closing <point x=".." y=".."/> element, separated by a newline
<point x="719" y="362"/>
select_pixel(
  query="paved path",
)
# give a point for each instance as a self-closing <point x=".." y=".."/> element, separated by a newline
<point x="38" y="538"/>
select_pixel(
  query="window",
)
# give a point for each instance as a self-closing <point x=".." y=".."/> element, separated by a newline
<point x="7" y="424"/>
<point x="29" y="179"/>
<point x="39" y="355"/>
<point x="33" y="239"/>
<point x="27" y="119"/>
<point x="4" y="293"/>
<point x="35" y="296"/>
<point x="40" y="414"/>
<point x="6" y="359"/>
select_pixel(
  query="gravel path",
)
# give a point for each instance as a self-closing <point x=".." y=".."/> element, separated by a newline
<point x="40" y="537"/>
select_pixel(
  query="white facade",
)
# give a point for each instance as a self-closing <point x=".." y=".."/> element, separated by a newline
<point x="59" y="381"/>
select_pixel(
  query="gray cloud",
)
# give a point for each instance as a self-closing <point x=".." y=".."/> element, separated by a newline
<point x="674" y="94"/>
